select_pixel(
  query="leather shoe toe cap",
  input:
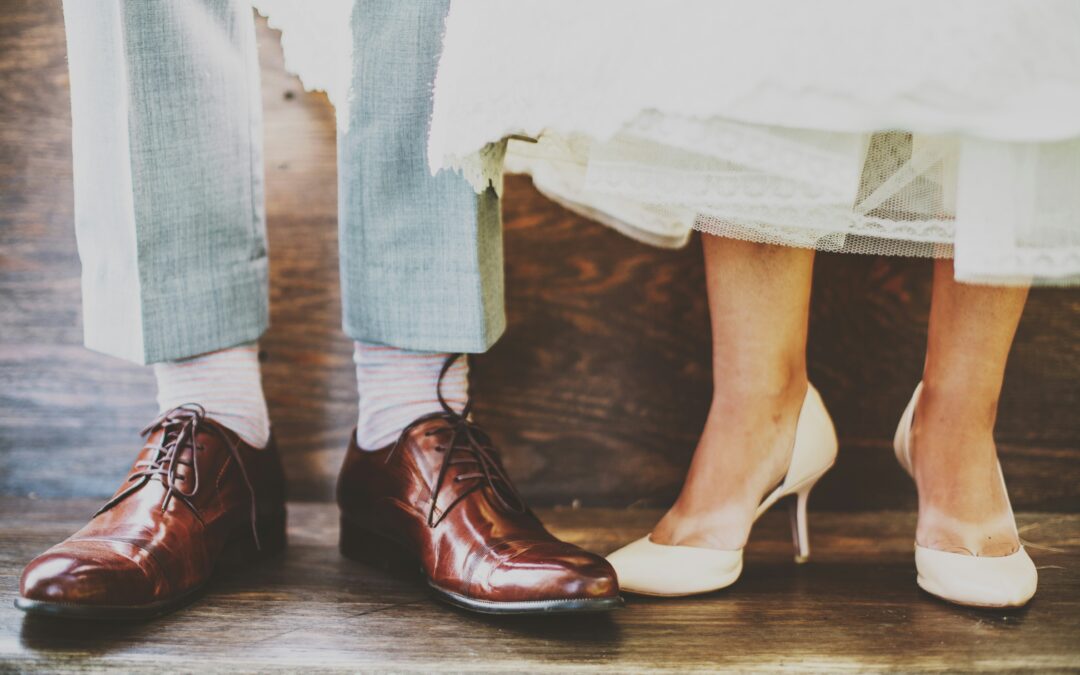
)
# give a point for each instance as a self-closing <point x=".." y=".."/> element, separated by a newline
<point x="86" y="573"/>
<point x="568" y="573"/>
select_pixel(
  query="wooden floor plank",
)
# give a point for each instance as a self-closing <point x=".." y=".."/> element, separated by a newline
<point x="854" y="607"/>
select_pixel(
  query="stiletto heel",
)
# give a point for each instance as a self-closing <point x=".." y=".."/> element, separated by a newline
<point x="649" y="568"/>
<point x="976" y="581"/>
<point x="800" y="532"/>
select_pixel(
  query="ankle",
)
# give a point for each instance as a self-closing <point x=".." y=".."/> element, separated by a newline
<point x="396" y="386"/>
<point x="771" y="392"/>
<point x="743" y="450"/>
<point x="226" y="383"/>
<point x="951" y="435"/>
<point x="957" y="405"/>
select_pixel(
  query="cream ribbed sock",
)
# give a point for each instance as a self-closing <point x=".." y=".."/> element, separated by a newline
<point x="397" y="386"/>
<point x="227" y="383"/>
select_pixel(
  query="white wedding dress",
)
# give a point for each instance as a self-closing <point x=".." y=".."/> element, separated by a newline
<point x="900" y="127"/>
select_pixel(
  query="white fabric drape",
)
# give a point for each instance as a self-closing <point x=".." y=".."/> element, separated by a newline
<point x="900" y="127"/>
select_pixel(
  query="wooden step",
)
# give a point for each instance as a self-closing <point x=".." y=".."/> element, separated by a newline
<point x="853" y="607"/>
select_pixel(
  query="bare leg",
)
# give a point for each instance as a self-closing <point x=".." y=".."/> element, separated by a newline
<point x="759" y="300"/>
<point x="963" y="506"/>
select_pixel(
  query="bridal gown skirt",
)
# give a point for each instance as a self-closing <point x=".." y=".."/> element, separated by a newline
<point x="899" y="127"/>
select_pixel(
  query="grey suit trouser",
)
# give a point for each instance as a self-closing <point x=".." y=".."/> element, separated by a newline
<point x="167" y="137"/>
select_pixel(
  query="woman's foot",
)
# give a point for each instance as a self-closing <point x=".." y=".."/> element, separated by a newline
<point x="963" y="505"/>
<point x="744" y="453"/>
<point x="698" y="547"/>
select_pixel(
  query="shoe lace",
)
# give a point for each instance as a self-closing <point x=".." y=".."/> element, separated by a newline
<point x="469" y="445"/>
<point x="181" y="427"/>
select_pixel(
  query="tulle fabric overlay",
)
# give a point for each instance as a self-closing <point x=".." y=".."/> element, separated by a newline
<point x="1006" y="211"/>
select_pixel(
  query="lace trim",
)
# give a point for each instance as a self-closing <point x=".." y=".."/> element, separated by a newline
<point x="821" y="240"/>
<point x="801" y="221"/>
<point x="736" y="198"/>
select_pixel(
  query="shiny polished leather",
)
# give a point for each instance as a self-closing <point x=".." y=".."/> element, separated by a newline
<point x="194" y="493"/>
<point x="478" y="545"/>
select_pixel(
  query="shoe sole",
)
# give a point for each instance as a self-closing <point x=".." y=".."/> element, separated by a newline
<point x="379" y="551"/>
<point x="241" y="551"/>
<point x="568" y="606"/>
<point x="66" y="610"/>
<point x="935" y="594"/>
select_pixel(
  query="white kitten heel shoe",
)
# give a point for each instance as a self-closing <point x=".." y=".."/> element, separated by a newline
<point x="648" y="568"/>
<point x="976" y="581"/>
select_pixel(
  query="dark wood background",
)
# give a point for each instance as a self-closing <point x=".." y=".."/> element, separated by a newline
<point x="596" y="393"/>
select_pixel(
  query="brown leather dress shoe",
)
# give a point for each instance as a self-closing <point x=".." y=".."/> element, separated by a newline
<point x="196" y="495"/>
<point x="439" y="500"/>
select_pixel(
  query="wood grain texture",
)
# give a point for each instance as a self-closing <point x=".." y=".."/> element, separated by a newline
<point x="596" y="393"/>
<point x="853" y="607"/>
